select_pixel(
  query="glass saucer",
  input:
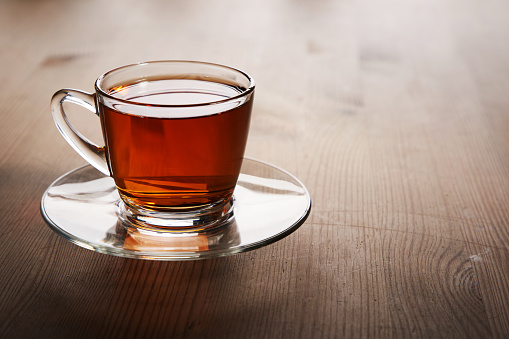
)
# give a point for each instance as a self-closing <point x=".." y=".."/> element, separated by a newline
<point x="83" y="207"/>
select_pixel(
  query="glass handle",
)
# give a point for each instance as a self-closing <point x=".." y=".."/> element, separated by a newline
<point x="92" y="153"/>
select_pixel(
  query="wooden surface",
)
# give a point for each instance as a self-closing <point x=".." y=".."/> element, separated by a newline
<point x="395" y="114"/>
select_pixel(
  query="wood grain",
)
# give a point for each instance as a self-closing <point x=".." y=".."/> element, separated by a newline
<point x="394" y="114"/>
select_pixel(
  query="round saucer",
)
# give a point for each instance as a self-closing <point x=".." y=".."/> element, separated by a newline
<point x="269" y="203"/>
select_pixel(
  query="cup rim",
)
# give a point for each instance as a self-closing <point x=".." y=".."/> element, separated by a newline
<point x="100" y="90"/>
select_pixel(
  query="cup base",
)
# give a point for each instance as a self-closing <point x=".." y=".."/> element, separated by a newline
<point x="210" y="216"/>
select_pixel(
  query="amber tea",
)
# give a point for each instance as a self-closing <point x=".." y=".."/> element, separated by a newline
<point x="166" y="156"/>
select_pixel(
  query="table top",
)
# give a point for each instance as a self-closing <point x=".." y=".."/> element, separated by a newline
<point x="394" y="114"/>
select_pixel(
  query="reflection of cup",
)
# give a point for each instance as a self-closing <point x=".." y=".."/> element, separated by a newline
<point x="141" y="240"/>
<point x="175" y="134"/>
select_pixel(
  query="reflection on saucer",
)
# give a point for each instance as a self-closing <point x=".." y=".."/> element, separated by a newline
<point x="137" y="241"/>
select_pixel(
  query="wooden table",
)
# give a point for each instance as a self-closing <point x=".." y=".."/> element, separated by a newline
<point x="394" y="114"/>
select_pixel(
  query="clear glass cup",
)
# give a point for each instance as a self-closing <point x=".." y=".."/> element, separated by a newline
<point x="175" y="134"/>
